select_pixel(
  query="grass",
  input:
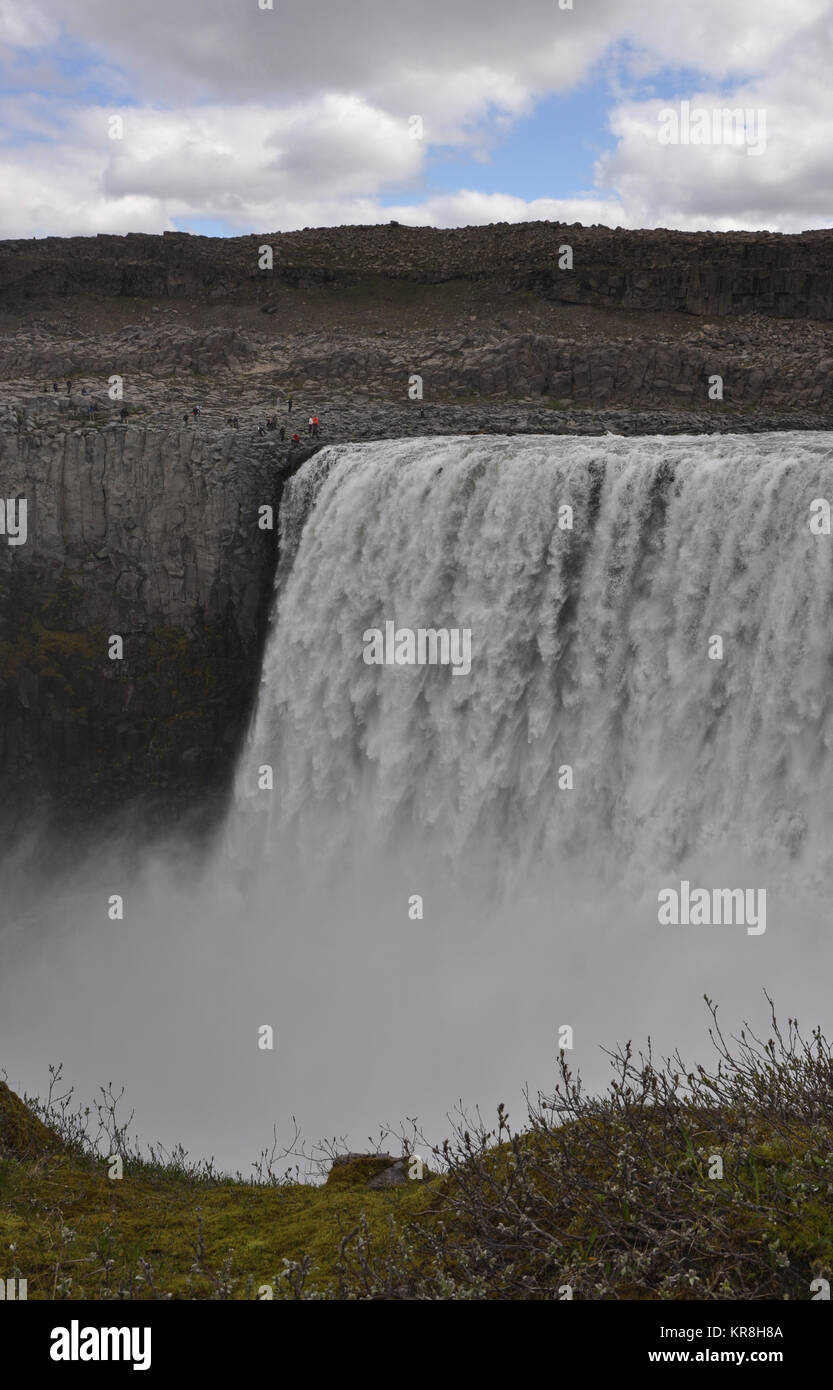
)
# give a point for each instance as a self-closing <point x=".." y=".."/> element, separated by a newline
<point x="167" y="1228"/>
<point x="677" y="1183"/>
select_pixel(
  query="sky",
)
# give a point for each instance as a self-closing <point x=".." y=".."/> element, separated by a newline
<point x="225" y="117"/>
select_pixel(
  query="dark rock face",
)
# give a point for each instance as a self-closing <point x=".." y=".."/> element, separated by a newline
<point x="788" y="276"/>
<point x="153" y="536"/>
<point x="761" y="367"/>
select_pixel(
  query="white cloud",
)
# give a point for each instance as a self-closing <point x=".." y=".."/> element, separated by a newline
<point x="468" y="208"/>
<point x="25" y="26"/>
<point x="395" y="52"/>
<point x="290" y="117"/>
<point x="787" y="187"/>
<point x="248" y="165"/>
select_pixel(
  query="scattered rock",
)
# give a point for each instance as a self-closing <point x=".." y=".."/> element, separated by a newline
<point x="366" y="1170"/>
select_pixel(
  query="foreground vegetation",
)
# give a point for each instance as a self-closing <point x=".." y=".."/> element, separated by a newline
<point x="677" y="1183"/>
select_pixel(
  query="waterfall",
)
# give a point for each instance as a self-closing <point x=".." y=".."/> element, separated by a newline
<point x="425" y="896"/>
<point x="598" y="578"/>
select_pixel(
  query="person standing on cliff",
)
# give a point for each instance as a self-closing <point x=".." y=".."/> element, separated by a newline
<point x="69" y="388"/>
<point x="283" y="433"/>
<point x="289" y="405"/>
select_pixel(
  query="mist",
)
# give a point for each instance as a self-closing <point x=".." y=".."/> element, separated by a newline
<point x="411" y="897"/>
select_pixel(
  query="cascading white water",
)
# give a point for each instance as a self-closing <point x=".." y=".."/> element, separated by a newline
<point x="590" y="649"/>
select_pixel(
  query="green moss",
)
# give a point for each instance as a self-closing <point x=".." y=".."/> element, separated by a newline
<point x="61" y="1214"/>
<point x="22" y="1134"/>
<point x="619" y="1200"/>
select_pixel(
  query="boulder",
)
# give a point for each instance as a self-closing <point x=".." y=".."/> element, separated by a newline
<point x="367" y="1170"/>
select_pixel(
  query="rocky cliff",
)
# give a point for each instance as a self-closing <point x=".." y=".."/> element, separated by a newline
<point x="147" y="527"/>
<point x="152" y="535"/>
<point x="789" y="276"/>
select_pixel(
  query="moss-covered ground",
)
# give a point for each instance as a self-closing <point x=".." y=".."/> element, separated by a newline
<point x="74" y="1232"/>
<point x="707" y="1186"/>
